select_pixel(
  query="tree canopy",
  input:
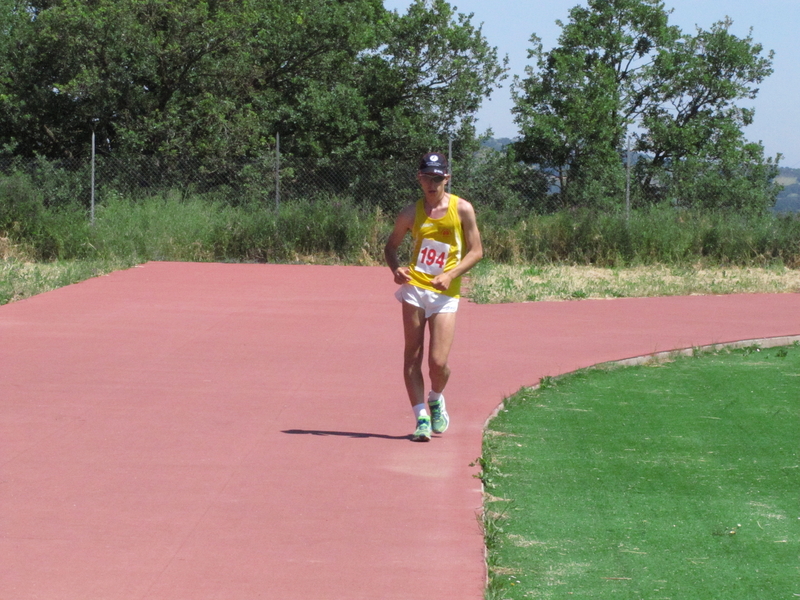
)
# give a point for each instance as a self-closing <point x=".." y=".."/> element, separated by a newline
<point x="215" y="81"/>
<point x="621" y="69"/>
<point x="218" y="79"/>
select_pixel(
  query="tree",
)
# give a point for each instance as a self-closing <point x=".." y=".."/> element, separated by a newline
<point x="620" y="67"/>
<point x="693" y="129"/>
<point x="427" y="80"/>
<point x="217" y="79"/>
<point x="208" y="78"/>
<point x="576" y="104"/>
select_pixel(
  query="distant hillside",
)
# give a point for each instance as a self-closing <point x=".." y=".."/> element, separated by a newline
<point x="497" y="144"/>
<point x="789" y="198"/>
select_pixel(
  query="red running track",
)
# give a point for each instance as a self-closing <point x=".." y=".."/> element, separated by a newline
<point x="207" y="431"/>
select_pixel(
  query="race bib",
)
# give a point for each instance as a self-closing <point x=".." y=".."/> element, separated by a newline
<point x="432" y="257"/>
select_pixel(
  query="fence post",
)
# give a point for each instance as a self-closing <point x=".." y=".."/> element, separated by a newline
<point x="628" y="180"/>
<point x="92" y="208"/>
<point x="450" y="162"/>
<point x="277" y="171"/>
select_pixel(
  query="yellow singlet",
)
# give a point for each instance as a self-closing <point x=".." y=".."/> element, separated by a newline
<point x="438" y="245"/>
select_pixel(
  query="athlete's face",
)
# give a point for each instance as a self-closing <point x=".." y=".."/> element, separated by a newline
<point x="432" y="185"/>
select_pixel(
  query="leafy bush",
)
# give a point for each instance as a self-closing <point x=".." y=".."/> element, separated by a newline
<point x="21" y="207"/>
<point x="25" y="217"/>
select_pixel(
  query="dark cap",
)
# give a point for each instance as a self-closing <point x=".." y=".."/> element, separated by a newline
<point x="434" y="163"/>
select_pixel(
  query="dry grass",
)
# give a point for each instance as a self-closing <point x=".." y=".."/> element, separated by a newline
<point x="510" y="283"/>
<point x="21" y="280"/>
<point x="10" y="251"/>
<point x="20" y="277"/>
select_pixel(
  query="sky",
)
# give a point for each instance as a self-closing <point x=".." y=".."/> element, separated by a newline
<point x="508" y="25"/>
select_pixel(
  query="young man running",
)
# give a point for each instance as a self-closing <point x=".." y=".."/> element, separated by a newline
<point x="447" y="244"/>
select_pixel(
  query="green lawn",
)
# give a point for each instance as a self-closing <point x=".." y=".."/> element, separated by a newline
<point x="678" y="480"/>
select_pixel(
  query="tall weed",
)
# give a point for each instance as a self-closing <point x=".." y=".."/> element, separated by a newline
<point x="160" y="228"/>
<point x="172" y="227"/>
<point x="21" y="207"/>
<point x="328" y="229"/>
<point x="655" y="235"/>
<point x="331" y="228"/>
<point x="48" y="231"/>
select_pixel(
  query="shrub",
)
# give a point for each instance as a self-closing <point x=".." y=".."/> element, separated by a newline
<point x="21" y="207"/>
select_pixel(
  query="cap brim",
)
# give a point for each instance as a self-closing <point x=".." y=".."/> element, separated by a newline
<point x="433" y="171"/>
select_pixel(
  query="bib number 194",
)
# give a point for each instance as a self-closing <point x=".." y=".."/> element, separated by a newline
<point x="432" y="257"/>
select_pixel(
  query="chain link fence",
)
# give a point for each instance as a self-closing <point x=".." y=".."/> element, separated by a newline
<point x="486" y="180"/>
<point x="489" y="179"/>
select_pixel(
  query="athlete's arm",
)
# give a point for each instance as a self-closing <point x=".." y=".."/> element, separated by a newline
<point x="402" y="225"/>
<point x="472" y="242"/>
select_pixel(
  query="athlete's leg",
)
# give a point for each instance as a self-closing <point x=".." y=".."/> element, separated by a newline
<point x="414" y="331"/>
<point x="443" y="329"/>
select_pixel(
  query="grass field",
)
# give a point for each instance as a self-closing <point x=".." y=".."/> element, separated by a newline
<point x="677" y="480"/>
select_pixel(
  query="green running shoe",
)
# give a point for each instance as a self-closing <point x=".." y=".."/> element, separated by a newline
<point x="439" y="417"/>
<point x="423" y="432"/>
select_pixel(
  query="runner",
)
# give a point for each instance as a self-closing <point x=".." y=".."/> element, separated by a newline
<point x="447" y="244"/>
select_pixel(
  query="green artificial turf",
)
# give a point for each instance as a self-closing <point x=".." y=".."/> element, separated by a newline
<point x="679" y="480"/>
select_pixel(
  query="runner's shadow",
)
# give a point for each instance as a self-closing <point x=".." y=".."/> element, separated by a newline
<point x="351" y="434"/>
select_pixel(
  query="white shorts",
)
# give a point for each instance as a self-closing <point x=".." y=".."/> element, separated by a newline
<point x="432" y="302"/>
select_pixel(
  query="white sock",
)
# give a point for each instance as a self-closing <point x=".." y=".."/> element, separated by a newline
<point x="435" y="396"/>
<point x="420" y="411"/>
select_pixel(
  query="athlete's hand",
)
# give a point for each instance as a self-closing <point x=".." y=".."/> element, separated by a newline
<point x="442" y="282"/>
<point x="401" y="275"/>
